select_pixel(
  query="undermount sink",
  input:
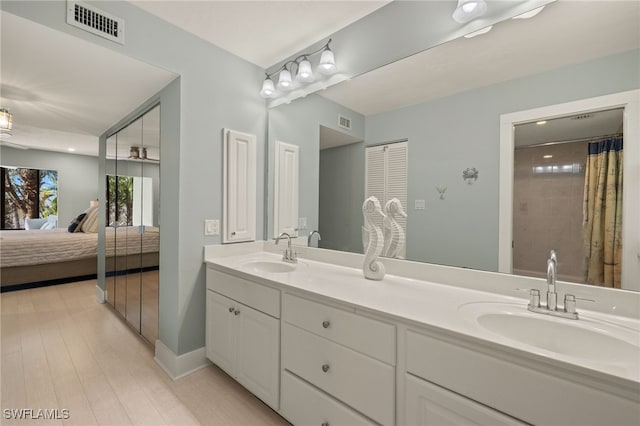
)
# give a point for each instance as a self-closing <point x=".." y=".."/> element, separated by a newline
<point x="589" y="339"/>
<point x="269" y="266"/>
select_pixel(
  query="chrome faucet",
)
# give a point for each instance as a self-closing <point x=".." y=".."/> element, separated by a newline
<point x="311" y="235"/>
<point x="288" y="255"/>
<point x="551" y="308"/>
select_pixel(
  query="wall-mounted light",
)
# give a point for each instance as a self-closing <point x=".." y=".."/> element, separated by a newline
<point x="468" y="10"/>
<point x="301" y="68"/>
<point x="6" y="121"/>
<point x="479" y="32"/>
<point x="529" y="14"/>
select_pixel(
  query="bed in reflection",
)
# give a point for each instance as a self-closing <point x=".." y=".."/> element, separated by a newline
<point x="31" y="258"/>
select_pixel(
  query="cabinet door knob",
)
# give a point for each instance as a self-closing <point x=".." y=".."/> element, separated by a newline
<point x="326" y="324"/>
<point x="233" y="233"/>
<point x="236" y="312"/>
<point x="231" y="309"/>
<point x="325" y="367"/>
<point x="325" y="424"/>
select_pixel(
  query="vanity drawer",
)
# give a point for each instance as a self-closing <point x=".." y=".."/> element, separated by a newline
<point x="369" y="336"/>
<point x="302" y="404"/>
<point x="257" y="296"/>
<point x="362" y="382"/>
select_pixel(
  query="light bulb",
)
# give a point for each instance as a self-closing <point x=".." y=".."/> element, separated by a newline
<point x="305" y="73"/>
<point x="468" y="10"/>
<point x="6" y="119"/>
<point x="267" y="88"/>
<point x="327" y="64"/>
<point x="284" y="81"/>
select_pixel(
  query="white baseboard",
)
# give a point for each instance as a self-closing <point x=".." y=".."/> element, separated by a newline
<point x="101" y="295"/>
<point x="177" y="366"/>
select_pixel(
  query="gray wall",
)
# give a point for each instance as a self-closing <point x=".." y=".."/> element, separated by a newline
<point x="216" y="90"/>
<point x="451" y="134"/>
<point x="299" y="123"/>
<point x="342" y="171"/>
<point x="77" y="177"/>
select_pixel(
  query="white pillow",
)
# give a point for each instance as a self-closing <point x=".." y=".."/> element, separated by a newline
<point x="47" y="225"/>
<point x="35" y="223"/>
<point x="90" y="222"/>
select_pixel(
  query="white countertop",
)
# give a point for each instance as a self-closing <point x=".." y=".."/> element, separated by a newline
<point x="432" y="305"/>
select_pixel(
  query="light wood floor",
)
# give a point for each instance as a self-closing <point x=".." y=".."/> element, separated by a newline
<point x="63" y="350"/>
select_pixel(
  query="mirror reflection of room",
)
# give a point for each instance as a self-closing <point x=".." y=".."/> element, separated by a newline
<point x="568" y="197"/>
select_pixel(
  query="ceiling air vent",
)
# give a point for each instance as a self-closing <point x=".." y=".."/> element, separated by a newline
<point x="581" y="117"/>
<point x="95" y="21"/>
<point x="344" y="122"/>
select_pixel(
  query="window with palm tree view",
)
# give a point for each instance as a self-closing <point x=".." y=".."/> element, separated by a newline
<point x="27" y="194"/>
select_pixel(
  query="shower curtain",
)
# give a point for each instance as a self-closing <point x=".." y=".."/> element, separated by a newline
<point x="602" y="213"/>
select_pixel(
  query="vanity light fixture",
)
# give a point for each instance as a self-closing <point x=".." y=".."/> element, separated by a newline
<point x="468" y="10"/>
<point x="301" y="68"/>
<point x="529" y="14"/>
<point x="479" y="32"/>
<point x="547" y="156"/>
<point x="6" y="121"/>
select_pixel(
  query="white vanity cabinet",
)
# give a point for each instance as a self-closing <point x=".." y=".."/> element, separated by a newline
<point x="338" y="364"/>
<point x="243" y="333"/>
<point x="447" y="378"/>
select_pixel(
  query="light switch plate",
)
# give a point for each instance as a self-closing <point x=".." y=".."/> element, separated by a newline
<point x="419" y="205"/>
<point x="212" y="227"/>
<point x="302" y="223"/>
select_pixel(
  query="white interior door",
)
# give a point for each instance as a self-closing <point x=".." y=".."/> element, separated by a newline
<point x="239" y="187"/>
<point x="286" y="189"/>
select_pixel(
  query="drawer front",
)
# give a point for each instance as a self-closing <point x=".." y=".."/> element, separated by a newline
<point x="429" y="405"/>
<point x="302" y="404"/>
<point x="512" y="388"/>
<point x="257" y="296"/>
<point x="364" y="383"/>
<point x="369" y="336"/>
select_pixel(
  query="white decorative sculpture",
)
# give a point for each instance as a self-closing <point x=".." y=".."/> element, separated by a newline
<point x="372" y="239"/>
<point x="394" y="237"/>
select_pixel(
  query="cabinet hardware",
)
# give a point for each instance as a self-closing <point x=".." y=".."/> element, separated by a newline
<point x="231" y="309"/>
<point x="325" y="367"/>
<point x="236" y="312"/>
<point x="325" y="424"/>
<point x="326" y="324"/>
<point x="233" y="233"/>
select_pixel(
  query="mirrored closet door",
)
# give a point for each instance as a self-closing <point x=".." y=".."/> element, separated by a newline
<point x="133" y="226"/>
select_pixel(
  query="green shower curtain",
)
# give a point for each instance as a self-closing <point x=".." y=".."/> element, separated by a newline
<point x="602" y="211"/>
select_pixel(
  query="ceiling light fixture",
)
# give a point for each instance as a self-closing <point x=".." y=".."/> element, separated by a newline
<point x="301" y="68"/>
<point x="6" y="121"/>
<point x="468" y="10"/>
<point x="529" y="14"/>
<point x="479" y="32"/>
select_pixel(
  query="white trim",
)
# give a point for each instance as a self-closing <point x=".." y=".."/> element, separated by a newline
<point x="178" y="366"/>
<point x="292" y="179"/>
<point x="630" y="101"/>
<point x="101" y="295"/>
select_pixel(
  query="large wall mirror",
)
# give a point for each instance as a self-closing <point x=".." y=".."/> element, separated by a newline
<point x="446" y="103"/>
<point x="132" y="235"/>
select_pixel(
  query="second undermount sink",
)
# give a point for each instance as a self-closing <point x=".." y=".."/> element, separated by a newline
<point x="588" y="339"/>
<point x="269" y="266"/>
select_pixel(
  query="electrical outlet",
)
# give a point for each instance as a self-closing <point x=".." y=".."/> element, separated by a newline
<point x="212" y="227"/>
<point x="302" y="223"/>
<point x="419" y="205"/>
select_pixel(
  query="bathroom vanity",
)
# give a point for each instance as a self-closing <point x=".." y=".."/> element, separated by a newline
<point x="428" y="345"/>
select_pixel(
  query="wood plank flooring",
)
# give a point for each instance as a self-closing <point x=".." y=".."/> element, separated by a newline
<point x="63" y="350"/>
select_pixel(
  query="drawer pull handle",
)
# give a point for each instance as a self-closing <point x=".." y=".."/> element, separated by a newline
<point x="325" y="367"/>
<point x="231" y="309"/>
<point x="326" y="324"/>
<point x="325" y="424"/>
<point x="236" y="312"/>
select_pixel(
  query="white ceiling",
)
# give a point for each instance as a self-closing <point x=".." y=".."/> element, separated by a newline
<point x="262" y="32"/>
<point x="63" y="92"/>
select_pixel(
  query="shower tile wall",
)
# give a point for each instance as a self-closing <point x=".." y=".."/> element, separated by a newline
<point x="547" y="209"/>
